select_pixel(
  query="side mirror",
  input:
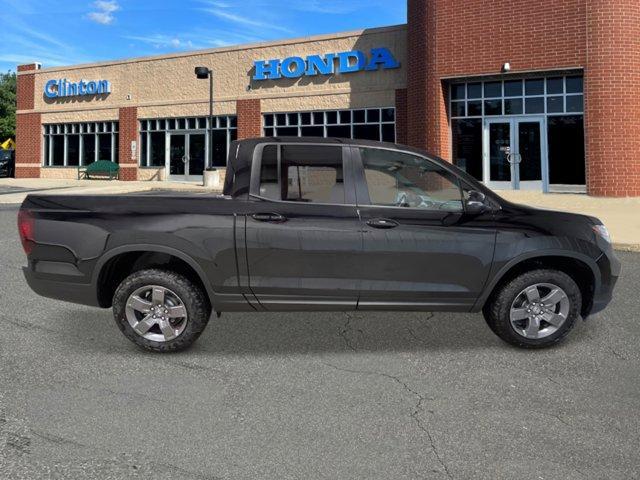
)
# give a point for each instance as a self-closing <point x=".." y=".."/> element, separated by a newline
<point x="476" y="203"/>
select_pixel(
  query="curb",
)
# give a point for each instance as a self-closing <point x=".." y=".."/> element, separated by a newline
<point x="627" y="247"/>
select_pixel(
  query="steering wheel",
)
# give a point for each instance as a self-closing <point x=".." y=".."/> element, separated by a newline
<point x="413" y="200"/>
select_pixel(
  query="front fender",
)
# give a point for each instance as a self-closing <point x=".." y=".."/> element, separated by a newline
<point x="502" y="270"/>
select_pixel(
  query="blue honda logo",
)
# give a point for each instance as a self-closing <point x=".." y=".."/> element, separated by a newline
<point x="328" y="64"/>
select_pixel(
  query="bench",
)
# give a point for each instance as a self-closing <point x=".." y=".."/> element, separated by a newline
<point x="100" y="169"/>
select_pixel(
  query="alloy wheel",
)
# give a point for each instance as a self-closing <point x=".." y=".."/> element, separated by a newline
<point x="539" y="310"/>
<point x="156" y="313"/>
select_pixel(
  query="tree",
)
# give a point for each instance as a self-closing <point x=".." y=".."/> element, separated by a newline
<point x="7" y="106"/>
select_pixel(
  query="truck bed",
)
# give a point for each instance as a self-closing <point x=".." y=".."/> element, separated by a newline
<point x="73" y="235"/>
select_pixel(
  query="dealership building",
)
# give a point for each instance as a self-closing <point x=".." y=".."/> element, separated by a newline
<point x="522" y="95"/>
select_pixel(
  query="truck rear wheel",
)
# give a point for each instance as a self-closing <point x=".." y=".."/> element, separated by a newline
<point x="536" y="309"/>
<point x="160" y="310"/>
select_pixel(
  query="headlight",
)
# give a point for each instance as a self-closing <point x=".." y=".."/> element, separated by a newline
<point x="602" y="231"/>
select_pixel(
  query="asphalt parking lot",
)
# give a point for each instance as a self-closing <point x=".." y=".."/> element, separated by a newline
<point x="330" y="396"/>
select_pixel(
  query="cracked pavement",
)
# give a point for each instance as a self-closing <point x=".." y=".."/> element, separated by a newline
<point x="322" y="395"/>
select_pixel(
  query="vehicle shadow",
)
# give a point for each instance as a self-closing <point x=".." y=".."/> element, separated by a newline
<point x="298" y="333"/>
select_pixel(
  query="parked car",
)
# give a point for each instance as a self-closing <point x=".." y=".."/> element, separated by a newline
<point x="320" y="224"/>
<point x="7" y="163"/>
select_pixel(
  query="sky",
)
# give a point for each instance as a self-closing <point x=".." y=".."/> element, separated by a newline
<point x="58" y="33"/>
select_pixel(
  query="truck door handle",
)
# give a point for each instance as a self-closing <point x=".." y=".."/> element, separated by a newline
<point x="385" y="223"/>
<point x="269" y="217"/>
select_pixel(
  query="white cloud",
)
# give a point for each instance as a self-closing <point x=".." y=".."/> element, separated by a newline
<point x="245" y="21"/>
<point x="164" y="41"/>
<point x="217" y="4"/>
<point x="104" y="10"/>
<point x="326" y="6"/>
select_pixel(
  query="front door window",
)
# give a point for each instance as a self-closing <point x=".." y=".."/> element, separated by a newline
<point x="396" y="179"/>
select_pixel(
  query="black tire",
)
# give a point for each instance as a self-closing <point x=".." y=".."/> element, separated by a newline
<point x="194" y="300"/>
<point x="497" y="310"/>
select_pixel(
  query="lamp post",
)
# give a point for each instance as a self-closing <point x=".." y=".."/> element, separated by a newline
<point x="204" y="73"/>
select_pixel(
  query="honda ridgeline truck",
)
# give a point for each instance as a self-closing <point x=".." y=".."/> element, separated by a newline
<point x="320" y="225"/>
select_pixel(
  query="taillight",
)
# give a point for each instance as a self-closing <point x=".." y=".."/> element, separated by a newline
<point x="25" y="228"/>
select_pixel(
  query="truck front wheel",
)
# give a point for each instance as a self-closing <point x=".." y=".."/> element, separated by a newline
<point x="536" y="309"/>
<point x="160" y="310"/>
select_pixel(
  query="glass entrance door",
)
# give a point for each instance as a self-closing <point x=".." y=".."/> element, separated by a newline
<point x="498" y="154"/>
<point x="177" y="161"/>
<point x="529" y="154"/>
<point x="514" y="153"/>
<point x="187" y="156"/>
<point x="196" y="157"/>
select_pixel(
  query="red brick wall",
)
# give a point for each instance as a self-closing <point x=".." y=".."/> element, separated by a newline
<point x="401" y="116"/>
<point x="128" y="132"/>
<point x="478" y="36"/>
<point x="427" y="118"/>
<point x="28" y="66"/>
<point x="448" y="38"/>
<point x="25" y="90"/>
<point x="28" y="127"/>
<point x="28" y="145"/>
<point x="473" y="37"/>
<point x="612" y="109"/>
<point x="249" y="118"/>
<point x="417" y="89"/>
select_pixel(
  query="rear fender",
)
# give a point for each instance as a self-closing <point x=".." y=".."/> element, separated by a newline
<point x="102" y="261"/>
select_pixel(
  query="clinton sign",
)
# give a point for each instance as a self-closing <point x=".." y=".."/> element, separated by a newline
<point x="65" y="88"/>
<point x="328" y="64"/>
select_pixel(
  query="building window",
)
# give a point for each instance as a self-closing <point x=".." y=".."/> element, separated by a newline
<point x="557" y="98"/>
<point x="466" y="138"/>
<point x="549" y="95"/>
<point x="363" y="124"/>
<point x="154" y="134"/>
<point x="77" y="144"/>
<point x="566" y="150"/>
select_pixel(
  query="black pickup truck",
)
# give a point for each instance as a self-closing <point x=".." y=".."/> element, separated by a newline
<point x="320" y="224"/>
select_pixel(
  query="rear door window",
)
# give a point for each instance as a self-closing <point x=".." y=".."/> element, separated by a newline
<point x="303" y="173"/>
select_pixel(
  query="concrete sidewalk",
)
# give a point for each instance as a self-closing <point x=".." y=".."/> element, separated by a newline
<point x="620" y="215"/>
<point x="14" y="190"/>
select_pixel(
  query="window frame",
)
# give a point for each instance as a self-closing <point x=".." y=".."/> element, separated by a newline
<point x="463" y="101"/>
<point x="362" y="187"/>
<point x="83" y="130"/>
<point x="347" y="172"/>
<point x="168" y="125"/>
<point x="270" y="124"/>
